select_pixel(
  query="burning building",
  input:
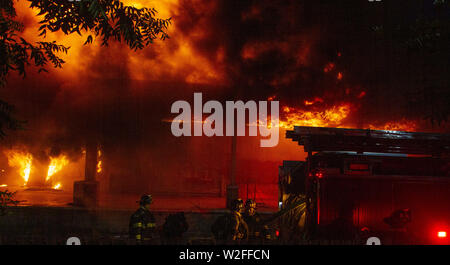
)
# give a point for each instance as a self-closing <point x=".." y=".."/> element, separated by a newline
<point x="317" y="58"/>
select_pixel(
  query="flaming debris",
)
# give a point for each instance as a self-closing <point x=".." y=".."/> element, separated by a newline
<point x="57" y="186"/>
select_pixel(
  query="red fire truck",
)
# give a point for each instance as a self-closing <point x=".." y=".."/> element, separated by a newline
<point x="359" y="184"/>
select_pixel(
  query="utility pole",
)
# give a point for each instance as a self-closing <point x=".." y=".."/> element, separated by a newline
<point x="232" y="188"/>
<point x="85" y="192"/>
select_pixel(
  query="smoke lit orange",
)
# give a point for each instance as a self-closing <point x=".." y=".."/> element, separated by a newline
<point x="331" y="117"/>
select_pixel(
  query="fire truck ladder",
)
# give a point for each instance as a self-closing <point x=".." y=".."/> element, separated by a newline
<point x="316" y="139"/>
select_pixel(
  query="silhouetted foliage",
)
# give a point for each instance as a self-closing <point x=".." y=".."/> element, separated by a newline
<point x="107" y="19"/>
<point x="137" y="27"/>
<point x="6" y="200"/>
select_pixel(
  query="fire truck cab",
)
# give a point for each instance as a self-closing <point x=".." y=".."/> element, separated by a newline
<point x="358" y="184"/>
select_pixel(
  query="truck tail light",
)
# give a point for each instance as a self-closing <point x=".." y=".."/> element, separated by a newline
<point x="316" y="173"/>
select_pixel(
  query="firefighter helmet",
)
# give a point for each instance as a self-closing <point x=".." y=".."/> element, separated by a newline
<point x="237" y="205"/>
<point x="249" y="203"/>
<point x="146" y="199"/>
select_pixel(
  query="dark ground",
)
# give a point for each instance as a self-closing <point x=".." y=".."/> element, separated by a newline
<point x="47" y="217"/>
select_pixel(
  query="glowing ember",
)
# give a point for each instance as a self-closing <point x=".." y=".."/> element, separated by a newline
<point x="99" y="166"/>
<point x="332" y="117"/>
<point x="316" y="100"/>
<point x="57" y="186"/>
<point x="3" y="185"/>
<point x="21" y="160"/>
<point x="403" y="125"/>
<point x="328" y="67"/>
<point x="99" y="163"/>
<point x="56" y="164"/>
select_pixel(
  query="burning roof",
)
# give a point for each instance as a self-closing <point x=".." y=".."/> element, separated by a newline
<point x="297" y="52"/>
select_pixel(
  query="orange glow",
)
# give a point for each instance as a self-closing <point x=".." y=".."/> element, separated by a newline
<point x="175" y="58"/>
<point x="328" y="67"/>
<point x="362" y="94"/>
<point x="3" y="185"/>
<point x="22" y="161"/>
<point x="316" y="100"/>
<point x="403" y="125"/>
<point x="56" y="164"/>
<point x="57" y="186"/>
<point x="339" y="76"/>
<point x="332" y="117"/>
<point x="253" y="50"/>
<point x="99" y="163"/>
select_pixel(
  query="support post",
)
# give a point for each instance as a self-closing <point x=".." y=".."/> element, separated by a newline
<point x="85" y="192"/>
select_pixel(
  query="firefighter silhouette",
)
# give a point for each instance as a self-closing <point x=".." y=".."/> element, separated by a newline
<point x="232" y="226"/>
<point x="142" y="222"/>
<point x="174" y="227"/>
<point x="256" y="229"/>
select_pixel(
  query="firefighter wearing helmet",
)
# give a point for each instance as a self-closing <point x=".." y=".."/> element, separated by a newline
<point x="238" y="226"/>
<point x="142" y="222"/>
<point x="257" y="231"/>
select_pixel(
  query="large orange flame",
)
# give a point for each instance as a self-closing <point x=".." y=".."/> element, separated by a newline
<point x="331" y="117"/>
<point x="21" y="160"/>
<point x="56" y="164"/>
